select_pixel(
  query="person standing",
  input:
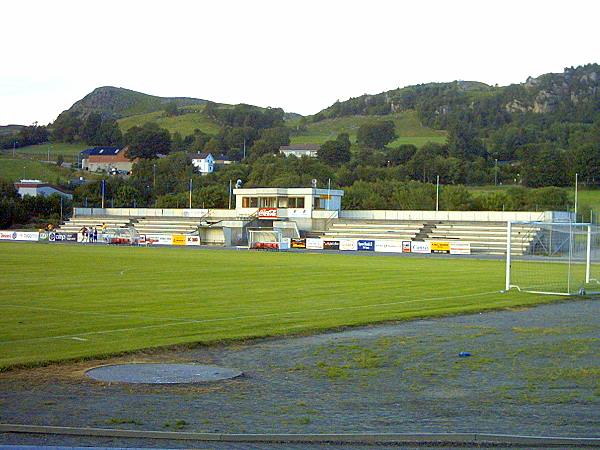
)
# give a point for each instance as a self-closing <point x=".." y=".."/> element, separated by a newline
<point x="95" y="234"/>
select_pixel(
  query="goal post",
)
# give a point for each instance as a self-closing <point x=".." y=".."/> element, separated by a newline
<point x="557" y="258"/>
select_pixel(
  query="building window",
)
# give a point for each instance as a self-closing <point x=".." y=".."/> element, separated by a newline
<point x="249" y="202"/>
<point x="319" y="203"/>
<point x="268" y="202"/>
<point x="282" y="202"/>
<point x="296" y="202"/>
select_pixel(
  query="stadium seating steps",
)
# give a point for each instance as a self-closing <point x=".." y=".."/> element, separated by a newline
<point x="484" y="237"/>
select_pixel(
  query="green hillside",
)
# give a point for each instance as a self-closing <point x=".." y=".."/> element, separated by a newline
<point x="186" y="123"/>
<point x="14" y="169"/>
<point x="40" y="151"/>
<point x="119" y="102"/>
<point x="408" y="128"/>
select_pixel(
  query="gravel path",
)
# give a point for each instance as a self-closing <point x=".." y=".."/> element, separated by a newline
<point x="532" y="372"/>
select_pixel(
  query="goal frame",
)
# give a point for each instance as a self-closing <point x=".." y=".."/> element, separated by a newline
<point x="508" y="285"/>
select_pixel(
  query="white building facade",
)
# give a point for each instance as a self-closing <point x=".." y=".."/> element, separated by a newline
<point x="204" y="162"/>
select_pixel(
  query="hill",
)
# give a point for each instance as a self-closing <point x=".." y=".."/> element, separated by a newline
<point x="189" y="119"/>
<point x="408" y="127"/>
<point x="117" y="102"/>
<point x="8" y="130"/>
<point x="573" y="94"/>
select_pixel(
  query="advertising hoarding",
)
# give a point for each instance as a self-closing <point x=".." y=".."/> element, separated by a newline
<point x="314" y="244"/>
<point x="420" y="247"/>
<point x="267" y="213"/>
<point x="440" y="247"/>
<point x="405" y="246"/>
<point x="460" y="248"/>
<point x="178" y="239"/>
<point x="365" y="245"/>
<point x="388" y="246"/>
<point x="192" y="240"/>
<point x="348" y="244"/>
<point x="331" y="245"/>
<point x="298" y="243"/>
<point x="62" y="237"/>
<point x="19" y="235"/>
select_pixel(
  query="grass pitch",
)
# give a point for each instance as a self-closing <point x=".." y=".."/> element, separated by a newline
<point x="71" y="301"/>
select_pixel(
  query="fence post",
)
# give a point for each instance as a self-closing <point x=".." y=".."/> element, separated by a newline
<point x="508" y="247"/>
<point x="588" y="254"/>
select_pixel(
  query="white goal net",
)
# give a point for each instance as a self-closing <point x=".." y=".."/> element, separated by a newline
<point x="553" y="258"/>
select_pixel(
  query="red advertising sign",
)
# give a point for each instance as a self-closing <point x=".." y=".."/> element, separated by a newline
<point x="267" y="213"/>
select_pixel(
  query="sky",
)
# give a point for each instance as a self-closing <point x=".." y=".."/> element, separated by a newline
<point x="301" y="56"/>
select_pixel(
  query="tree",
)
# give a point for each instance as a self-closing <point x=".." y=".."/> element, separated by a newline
<point x="376" y="135"/>
<point x="171" y="109"/>
<point x="336" y="152"/>
<point x="147" y="141"/>
<point x="401" y="155"/>
<point x="91" y="129"/>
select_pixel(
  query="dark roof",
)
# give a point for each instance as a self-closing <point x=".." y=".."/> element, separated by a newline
<point x="37" y="185"/>
<point x="313" y="147"/>
<point x="202" y="155"/>
<point x="101" y="151"/>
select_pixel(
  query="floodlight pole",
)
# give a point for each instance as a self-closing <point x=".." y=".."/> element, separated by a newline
<point x="190" y="193"/>
<point x="229" y="194"/>
<point x="328" y="193"/>
<point x="496" y="172"/>
<point x="508" y="246"/>
<point x="103" y="188"/>
<point x="437" y="193"/>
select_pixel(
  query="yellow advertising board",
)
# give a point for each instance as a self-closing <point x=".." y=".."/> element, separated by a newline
<point x="440" y="247"/>
<point x="178" y="239"/>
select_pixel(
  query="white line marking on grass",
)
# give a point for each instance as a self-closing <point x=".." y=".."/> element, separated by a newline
<point x="78" y="338"/>
<point x="257" y="316"/>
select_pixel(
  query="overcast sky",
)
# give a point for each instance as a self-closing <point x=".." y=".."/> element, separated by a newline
<point x="298" y="55"/>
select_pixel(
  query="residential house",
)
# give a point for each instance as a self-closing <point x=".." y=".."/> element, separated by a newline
<point x="299" y="150"/>
<point x="106" y="159"/>
<point x="204" y="162"/>
<point x="38" y="187"/>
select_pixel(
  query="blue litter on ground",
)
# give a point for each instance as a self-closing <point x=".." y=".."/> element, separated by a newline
<point x="464" y="354"/>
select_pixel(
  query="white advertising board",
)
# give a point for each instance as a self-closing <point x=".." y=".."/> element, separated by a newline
<point x="158" y="239"/>
<point x="192" y="240"/>
<point x="420" y="247"/>
<point x="460" y="248"/>
<point x="314" y="244"/>
<point x="348" y="244"/>
<point x="19" y="235"/>
<point x="388" y="246"/>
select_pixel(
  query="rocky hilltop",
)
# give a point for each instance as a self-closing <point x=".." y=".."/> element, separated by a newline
<point x="117" y="102"/>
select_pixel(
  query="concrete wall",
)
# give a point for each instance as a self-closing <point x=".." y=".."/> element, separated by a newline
<point x="472" y="216"/>
<point x="155" y="212"/>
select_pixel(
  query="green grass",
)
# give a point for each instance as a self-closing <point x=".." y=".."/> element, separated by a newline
<point x="408" y="128"/>
<point x="184" y="123"/>
<point x="71" y="301"/>
<point x="20" y="168"/>
<point x="59" y="148"/>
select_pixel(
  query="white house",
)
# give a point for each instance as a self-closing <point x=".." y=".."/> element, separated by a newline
<point x="204" y="162"/>
<point x="37" y="187"/>
<point x="299" y="150"/>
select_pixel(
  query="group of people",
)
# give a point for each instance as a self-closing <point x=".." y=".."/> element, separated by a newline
<point x="89" y="234"/>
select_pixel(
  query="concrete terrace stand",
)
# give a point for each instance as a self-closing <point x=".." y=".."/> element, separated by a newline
<point x="152" y="373"/>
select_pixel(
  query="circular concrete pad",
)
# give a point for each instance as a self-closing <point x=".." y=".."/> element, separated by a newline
<point x="161" y="373"/>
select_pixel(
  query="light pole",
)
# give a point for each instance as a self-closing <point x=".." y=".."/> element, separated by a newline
<point x="576" y="179"/>
<point x="496" y="172"/>
<point x="437" y="193"/>
<point x="229" y="194"/>
<point x="154" y="177"/>
<point x="190" y="193"/>
<point x="14" y="147"/>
